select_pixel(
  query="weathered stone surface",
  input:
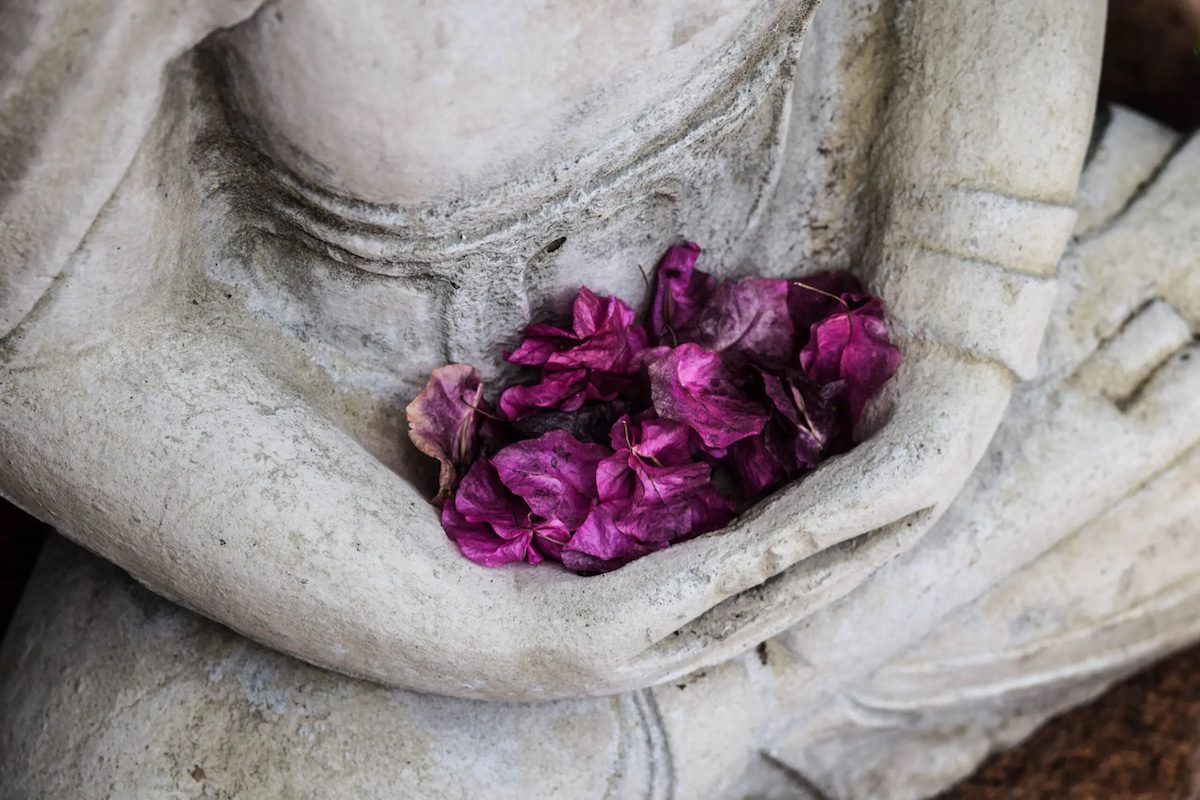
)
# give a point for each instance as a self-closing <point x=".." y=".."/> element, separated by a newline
<point x="208" y="393"/>
<point x="109" y="691"/>
<point x="1071" y="558"/>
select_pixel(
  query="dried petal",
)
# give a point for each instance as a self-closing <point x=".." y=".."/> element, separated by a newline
<point x="814" y="297"/>
<point x="757" y="466"/>
<point x="492" y="526"/>
<point x="658" y="441"/>
<point x="749" y="319"/>
<point x="680" y="292"/>
<point x="672" y="503"/>
<point x="852" y="346"/>
<point x="479" y="542"/>
<point x="604" y="337"/>
<point x="483" y="519"/>
<point x="805" y="420"/>
<point x="692" y="386"/>
<point x="555" y="474"/>
<point x="599" y="546"/>
<point x="443" y="422"/>
<point x="562" y="391"/>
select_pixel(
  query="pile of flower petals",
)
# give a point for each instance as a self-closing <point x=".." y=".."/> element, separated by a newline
<point x="618" y="446"/>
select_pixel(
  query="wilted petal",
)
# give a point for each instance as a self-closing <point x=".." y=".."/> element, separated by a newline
<point x="541" y="342"/>
<point x="607" y="337"/>
<point x="593" y="313"/>
<point x="757" y="466"/>
<point x="749" y="319"/>
<point x="660" y="441"/>
<point x="604" y="336"/>
<point x="483" y="497"/>
<point x="562" y="391"/>
<point x="481" y="544"/>
<point x="692" y="386"/>
<point x="674" y="503"/>
<point x="443" y="422"/>
<point x="554" y="474"/>
<point x="806" y="421"/>
<point x="599" y="546"/>
<point x="680" y="291"/>
<point x="814" y="297"/>
<point x="852" y="346"/>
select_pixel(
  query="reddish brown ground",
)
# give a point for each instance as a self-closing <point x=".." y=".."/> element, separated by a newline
<point x="1141" y="740"/>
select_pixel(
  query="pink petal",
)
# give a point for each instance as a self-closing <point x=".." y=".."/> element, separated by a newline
<point x="480" y="544"/>
<point x="657" y="440"/>
<point x="692" y="386"/>
<point x="749" y="319"/>
<point x="443" y="423"/>
<point x="814" y="297"/>
<point x="483" y="497"/>
<point x="563" y="391"/>
<point x="599" y="538"/>
<point x="680" y="291"/>
<point x="806" y="415"/>
<point x="852" y="346"/>
<point x="757" y="466"/>
<point x="555" y="474"/>
<point x="674" y="503"/>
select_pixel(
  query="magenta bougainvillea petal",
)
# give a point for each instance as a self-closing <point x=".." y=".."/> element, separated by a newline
<point x="805" y="417"/>
<point x="757" y="466"/>
<point x="680" y="292"/>
<point x="749" y="319"/>
<point x="482" y="504"/>
<point x="615" y="448"/>
<point x="554" y="474"/>
<point x="562" y="391"/>
<point x="660" y="441"/>
<point x="443" y="422"/>
<point x="692" y="386"/>
<point x="600" y="358"/>
<point x="814" y="297"/>
<point x="481" y="544"/>
<point x="600" y="546"/>
<point x="852" y="346"/>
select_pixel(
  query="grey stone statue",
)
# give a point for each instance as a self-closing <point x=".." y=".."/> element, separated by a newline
<point x="235" y="238"/>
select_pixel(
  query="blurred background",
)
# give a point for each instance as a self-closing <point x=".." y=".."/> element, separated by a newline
<point x="1141" y="740"/>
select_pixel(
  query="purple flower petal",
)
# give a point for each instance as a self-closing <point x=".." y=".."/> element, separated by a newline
<point x="599" y="546"/>
<point x="814" y="297"/>
<point x="852" y="346"/>
<point x="757" y="466"/>
<point x="659" y="441"/>
<point x="749" y="319"/>
<point x="443" y="422"/>
<point x="673" y="503"/>
<point x="483" y="497"/>
<point x="604" y="337"/>
<point x="555" y="474"/>
<point x="479" y="542"/>
<point x="562" y="391"/>
<point x="492" y="526"/>
<point x="692" y="386"/>
<point x="607" y="338"/>
<point x="806" y="420"/>
<point x="541" y="342"/>
<point x="680" y="291"/>
<point x="486" y="521"/>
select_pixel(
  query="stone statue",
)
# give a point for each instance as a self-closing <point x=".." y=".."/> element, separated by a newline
<point x="235" y="244"/>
